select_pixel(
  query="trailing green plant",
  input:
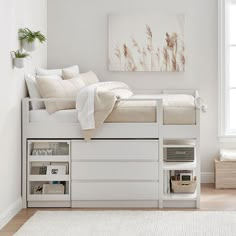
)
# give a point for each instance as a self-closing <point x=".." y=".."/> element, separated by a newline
<point x="20" y="54"/>
<point x="30" y="36"/>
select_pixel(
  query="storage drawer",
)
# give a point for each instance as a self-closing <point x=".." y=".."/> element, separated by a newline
<point x="114" y="150"/>
<point x="114" y="191"/>
<point x="115" y="170"/>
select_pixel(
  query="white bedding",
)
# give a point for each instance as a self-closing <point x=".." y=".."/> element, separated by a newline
<point x="179" y="109"/>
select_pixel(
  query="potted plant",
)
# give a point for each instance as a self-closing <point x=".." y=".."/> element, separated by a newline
<point x="19" y="58"/>
<point x="30" y="39"/>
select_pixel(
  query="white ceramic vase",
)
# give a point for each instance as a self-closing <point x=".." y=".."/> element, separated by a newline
<point x="19" y="62"/>
<point x="30" y="47"/>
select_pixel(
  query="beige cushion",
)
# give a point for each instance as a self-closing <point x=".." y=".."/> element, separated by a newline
<point x="58" y="88"/>
<point x="71" y="72"/>
<point x="88" y="77"/>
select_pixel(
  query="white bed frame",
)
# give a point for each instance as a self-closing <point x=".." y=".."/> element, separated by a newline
<point x="156" y="130"/>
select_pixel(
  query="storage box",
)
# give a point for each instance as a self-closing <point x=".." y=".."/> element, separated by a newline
<point x="179" y="186"/>
<point x="225" y="174"/>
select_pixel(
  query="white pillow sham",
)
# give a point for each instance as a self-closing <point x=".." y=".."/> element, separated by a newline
<point x="33" y="91"/>
<point x="41" y="71"/>
<point x="58" y="88"/>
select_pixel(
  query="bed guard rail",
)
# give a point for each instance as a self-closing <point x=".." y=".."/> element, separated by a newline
<point x="26" y="105"/>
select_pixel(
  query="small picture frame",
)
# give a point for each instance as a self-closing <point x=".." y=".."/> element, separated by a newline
<point x="56" y="170"/>
<point x="39" y="170"/>
<point x="61" y="164"/>
<point x="186" y="176"/>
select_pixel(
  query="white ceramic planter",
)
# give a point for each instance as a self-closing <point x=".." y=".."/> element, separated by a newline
<point x="19" y="62"/>
<point x="30" y="47"/>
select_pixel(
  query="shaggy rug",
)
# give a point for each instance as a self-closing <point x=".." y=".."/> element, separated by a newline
<point x="130" y="223"/>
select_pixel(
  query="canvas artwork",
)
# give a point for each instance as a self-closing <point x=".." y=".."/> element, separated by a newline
<point x="146" y="43"/>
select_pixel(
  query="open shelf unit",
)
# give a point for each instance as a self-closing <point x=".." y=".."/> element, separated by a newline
<point x="170" y="198"/>
<point x="48" y="173"/>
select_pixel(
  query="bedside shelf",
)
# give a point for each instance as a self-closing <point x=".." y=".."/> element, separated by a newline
<point x="179" y="165"/>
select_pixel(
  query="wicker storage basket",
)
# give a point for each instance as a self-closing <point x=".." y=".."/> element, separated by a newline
<point x="183" y="186"/>
<point x="225" y="174"/>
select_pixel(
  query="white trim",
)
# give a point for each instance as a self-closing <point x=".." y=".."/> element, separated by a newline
<point x="10" y="212"/>
<point x="207" y="177"/>
<point x="221" y="57"/>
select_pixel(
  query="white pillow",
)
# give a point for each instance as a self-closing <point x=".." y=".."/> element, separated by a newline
<point x="58" y="88"/>
<point x="40" y="71"/>
<point x="33" y="91"/>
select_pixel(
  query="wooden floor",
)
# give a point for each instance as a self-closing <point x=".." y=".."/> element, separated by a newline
<point x="211" y="200"/>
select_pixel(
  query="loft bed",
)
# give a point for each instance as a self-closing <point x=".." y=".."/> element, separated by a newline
<point x="159" y="128"/>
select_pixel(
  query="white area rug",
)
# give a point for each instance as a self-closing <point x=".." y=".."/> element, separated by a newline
<point x="130" y="223"/>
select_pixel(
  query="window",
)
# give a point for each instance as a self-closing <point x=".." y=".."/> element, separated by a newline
<point x="227" y="66"/>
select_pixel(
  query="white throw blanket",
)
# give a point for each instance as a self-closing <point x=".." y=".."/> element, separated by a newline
<point x="95" y="102"/>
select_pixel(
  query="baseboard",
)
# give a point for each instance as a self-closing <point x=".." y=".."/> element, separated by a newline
<point x="207" y="177"/>
<point x="10" y="212"/>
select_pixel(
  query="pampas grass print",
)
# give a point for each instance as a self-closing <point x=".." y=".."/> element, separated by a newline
<point x="132" y="56"/>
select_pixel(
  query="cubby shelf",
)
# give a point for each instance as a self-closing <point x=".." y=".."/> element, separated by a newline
<point x="179" y="165"/>
<point x="53" y="158"/>
<point x="36" y="178"/>
<point x="49" y="177"/>
<point x="48" y="197"/>
<point x="180" y="196"/>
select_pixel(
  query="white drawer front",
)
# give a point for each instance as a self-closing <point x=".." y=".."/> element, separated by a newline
<point x="115" y="170"/>
<point x="114" y="150"/>
<point x="114" y="191"/>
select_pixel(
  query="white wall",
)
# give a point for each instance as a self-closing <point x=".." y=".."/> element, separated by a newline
<point x="15" y="14"/>
<point x="77" y="34"/>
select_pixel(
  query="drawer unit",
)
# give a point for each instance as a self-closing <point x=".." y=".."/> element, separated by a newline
<point x="114" y="170"/>
<point x="114" y="150"/>
<point x="114" y="191"/>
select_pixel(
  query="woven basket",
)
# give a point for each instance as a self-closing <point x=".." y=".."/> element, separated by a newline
<point x="183" y="186"/>
<point x="225" y="174"/>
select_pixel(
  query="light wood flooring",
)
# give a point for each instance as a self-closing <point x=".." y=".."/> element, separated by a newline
<point x="211" y="200"/>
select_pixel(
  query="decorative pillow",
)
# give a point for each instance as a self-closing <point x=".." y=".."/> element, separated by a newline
<point x="89" y="78"/>
<point x="33" y="91"/>
<point x="58" y="88"/>
<point x="40" y="71"/>
<point x="71" y="72"/>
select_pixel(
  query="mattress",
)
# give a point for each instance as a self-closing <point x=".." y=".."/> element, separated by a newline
<point x="179" y="109"/>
